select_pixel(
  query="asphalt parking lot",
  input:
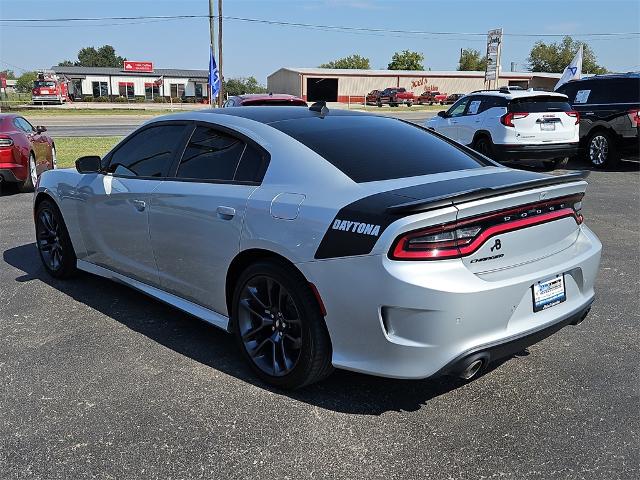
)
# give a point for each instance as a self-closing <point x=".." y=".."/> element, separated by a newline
<point x="99" y="381"/>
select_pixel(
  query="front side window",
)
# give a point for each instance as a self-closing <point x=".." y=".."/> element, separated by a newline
<point x="24" y="125"/>
<point x="457" y="109"/>
<point x="148" y="153"/>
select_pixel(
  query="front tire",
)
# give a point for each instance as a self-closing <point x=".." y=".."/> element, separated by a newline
<point x="53" y="241"/>
<point x="601" y="150"/>
<point x="278" y="326"/>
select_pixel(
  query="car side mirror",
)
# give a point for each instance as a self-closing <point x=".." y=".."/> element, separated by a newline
<point x="88" y="164"/>
<point x="442" y="114"/>
<point x="40" y="129"/>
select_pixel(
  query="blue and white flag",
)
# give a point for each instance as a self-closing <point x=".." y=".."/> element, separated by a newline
<point x="573" y="70"/>
<point x="214" y="77"/>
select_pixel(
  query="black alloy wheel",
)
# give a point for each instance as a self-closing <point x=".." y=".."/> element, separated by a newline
<point x="269" y="323"/>
<point x="278" y="325"/>
<point x="54" y="244"/>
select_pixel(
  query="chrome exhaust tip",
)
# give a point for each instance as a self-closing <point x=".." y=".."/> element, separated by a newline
<point x="471" y="370"/>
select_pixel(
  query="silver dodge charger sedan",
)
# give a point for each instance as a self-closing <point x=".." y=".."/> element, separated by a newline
<point x="325" y="239"/>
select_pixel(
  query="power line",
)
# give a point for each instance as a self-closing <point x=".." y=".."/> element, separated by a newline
<point x="342" y="28"/>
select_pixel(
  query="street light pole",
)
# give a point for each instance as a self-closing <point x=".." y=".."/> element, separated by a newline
<point x="212" y="43"/>
<point x="221" y="92"/>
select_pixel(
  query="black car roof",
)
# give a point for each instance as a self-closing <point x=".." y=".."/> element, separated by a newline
<point x="270" y="114"/>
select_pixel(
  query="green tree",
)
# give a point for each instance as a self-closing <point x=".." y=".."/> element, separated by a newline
<point x="24" y="83"/>
<point x="406" y="60"/>
<point x="9" y="74"/>
<point x="350" y="62"/>
<point x="471" y="60"/>
<point x="104" y="56"/>
<point x="554" y="57"/>
<point x="242" y="85"/>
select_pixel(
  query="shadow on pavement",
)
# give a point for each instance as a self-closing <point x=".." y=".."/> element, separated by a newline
<point x="345" y="392"/>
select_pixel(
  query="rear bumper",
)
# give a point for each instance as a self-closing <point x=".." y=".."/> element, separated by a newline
<point x="534" y="152"/>
<point x="8" y="175"/>
<point x="508" y="347"/>
<point x="46" y="98"/>
<point x="420" y="319"/>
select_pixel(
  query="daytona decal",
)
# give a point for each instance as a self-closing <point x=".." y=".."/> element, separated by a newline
<point x="356" y="227"/>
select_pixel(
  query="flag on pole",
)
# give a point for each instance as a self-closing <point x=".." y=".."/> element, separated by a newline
<point x="573" y="70"/>
<point x="214" y="77"/>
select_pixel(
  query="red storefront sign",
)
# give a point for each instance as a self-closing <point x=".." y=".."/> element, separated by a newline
<point x="130" y="66"/>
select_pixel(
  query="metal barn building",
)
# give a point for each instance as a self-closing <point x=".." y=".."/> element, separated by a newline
<point x="336" y="85"/>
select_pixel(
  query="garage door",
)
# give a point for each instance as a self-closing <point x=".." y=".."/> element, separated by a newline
<point x="319" y="89"/>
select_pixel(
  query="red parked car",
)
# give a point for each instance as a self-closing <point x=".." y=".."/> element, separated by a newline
<point x="259" y="99"/>
<point x="25" y="152"/>
<point x="431" y="98"/>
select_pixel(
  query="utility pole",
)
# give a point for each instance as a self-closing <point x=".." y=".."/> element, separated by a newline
<point x="221" y="92"/>
<point x="212" y="43"/>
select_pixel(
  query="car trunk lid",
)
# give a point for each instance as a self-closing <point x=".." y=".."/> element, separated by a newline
<point x="541" y="119"/>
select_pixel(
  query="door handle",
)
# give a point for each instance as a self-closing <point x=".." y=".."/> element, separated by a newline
<point x="226" y="213"/>
<point x="140" y="205"/>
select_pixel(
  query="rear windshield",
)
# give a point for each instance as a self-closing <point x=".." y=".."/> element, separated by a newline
<point x="370" y="148"/>
<point x="539" y="104"/>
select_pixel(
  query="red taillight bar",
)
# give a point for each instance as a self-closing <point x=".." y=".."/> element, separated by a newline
<point x="575" y="115"/>
<point x="634" y="116"/>
<point x="507" y="118"/>
<point x="436" y="249"/>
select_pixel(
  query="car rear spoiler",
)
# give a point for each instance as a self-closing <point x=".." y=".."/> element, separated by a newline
<point x="433" y="203"/>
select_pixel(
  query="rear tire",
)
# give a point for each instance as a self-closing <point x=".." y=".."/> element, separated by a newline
<point x="483" y="145"/>
<point x="601" y="150"/>
<point x="278" y="326"/>
<point x="53" y="241"/>
<point x="32" y="176"/>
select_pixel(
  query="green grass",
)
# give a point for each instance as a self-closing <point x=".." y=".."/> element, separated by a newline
<point x="59" y="112"/>
<point x="68" y="149"/>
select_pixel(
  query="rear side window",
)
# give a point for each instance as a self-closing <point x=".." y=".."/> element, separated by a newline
<point x="213" y="155"/>
<point x="210" y="155"/>
<point x="148" y="153"/>
<point x="371" y="148"/>
<point x="603" y="91"/>
<point x="539" y="104"/>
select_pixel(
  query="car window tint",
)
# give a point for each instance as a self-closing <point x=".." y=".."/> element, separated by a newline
<point x="210" y="155"/>
<point x="148" y="153"/>
<point x="539" y="104"/>
<point x="251" y="167"/>
<point x="457" y="109"/>
<point x="369" y="148"/>
<point x="25" y="126"/>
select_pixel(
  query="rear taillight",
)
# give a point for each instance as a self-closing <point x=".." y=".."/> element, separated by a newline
<point x="575" y="115"/>
<point x="634" y="116"/>
<point x="6" y="142"/>
<point x="461" y="238"/>
<point x="508" y="118"/>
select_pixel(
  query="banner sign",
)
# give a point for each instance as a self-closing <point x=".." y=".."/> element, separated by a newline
<point x="130" y="66"/>
<point x="494" y="49"/>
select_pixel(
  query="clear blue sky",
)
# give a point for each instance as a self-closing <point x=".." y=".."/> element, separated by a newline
<point x="255" y="49"/>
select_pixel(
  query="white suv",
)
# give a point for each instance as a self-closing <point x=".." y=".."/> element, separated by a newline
<point x="513" y="125"/>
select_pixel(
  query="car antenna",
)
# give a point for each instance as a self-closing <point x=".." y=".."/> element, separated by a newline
<point x="320" y="107"/>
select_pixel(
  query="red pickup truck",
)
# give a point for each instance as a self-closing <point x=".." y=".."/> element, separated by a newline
<point x="395" y="96"/>
<point x="431" y="98"/>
